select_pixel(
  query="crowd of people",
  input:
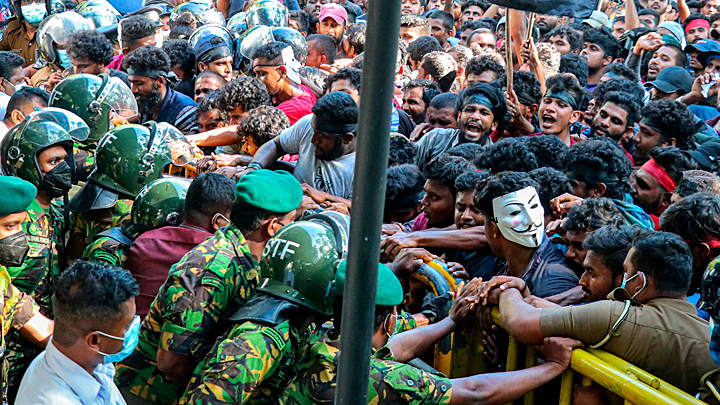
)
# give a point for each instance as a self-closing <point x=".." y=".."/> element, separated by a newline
<point x="179" y="180"/>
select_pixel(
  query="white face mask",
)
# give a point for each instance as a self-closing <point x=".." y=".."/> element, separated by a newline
<point x="520" y="217"/>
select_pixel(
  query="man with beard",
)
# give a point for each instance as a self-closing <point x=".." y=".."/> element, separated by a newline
<point x="659" y="6"/>
<point x="523" y="105"/>
<point x="673" y="82"/>
<point x="664" y="55"/>
<point x="566" y="39"/>
<point x="417" y="96"/>
<point x="275" y="65"/>
<point x="148" y="69"/>
<point x="616" y="118"/>
<point x="583" y="219"/>
<point x="480" y="110"/>
<point x="90" y="52"/>
<point x="325" y="141"/>
<point x="333" y="21"/>
<point x="313" y="6"/>
<point x="664" y="123"/>
<point x="696" y="27"/>
<point x="600" y="49"/>
<point x="547" y="23"/>
<point x="654" y="183"/>
<point x="560" y="106"/>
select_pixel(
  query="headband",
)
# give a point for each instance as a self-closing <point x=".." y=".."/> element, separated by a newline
<point x="478" y="98"/>
<point x="591" y="176"/>
<point x="712" y="243"/>
<point x="652" y="168"/>
<point x="331" y="128"/>
<point x="646" y="121"/>
<point x="700" y="22"/>
<point x="564" y="96"/>
<point x="214" y="54"/>
<point x="151" y="73"/>
<point x="525" y="100"/>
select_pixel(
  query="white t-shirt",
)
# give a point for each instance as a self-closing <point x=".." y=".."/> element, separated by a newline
<point x="4" y="100"/>
<point x="334" y="177"/>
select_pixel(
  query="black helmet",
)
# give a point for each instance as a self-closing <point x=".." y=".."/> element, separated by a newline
<point x="710" y="290"/>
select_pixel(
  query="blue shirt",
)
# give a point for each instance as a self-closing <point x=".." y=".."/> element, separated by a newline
<point x="177" y="110"/>
<point x="54" y="379"/>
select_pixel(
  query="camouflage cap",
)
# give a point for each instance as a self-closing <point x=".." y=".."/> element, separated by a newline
<point x="389" y="290"/>
<point x="274" y="191"/>
<point x="18" y="194"/>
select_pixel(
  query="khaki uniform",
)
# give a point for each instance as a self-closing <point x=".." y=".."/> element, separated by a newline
<point x="42" y="75"/>
<point x="15" y="40"/>
<point x="663" y="336"/>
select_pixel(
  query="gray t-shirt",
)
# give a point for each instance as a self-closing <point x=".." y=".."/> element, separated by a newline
<point x="331" y="176"/>
<point x="437" y="142"/>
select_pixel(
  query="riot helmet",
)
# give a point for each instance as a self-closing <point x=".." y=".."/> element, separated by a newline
<point x="100" y="12"/>
<point x="211" y="30"/>
<point x="160" y="203"/>
<point x="293" y="38"/>
<point x="204" y="14"/>
<point x="55" y="31"/>
<point x="267" y="12"/>
<point x="237" y="24"/>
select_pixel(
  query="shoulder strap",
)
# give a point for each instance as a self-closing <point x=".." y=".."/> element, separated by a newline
<point x="615" y="329"/>
<point x="117" y="234"/>
<point x="264" y="309"/>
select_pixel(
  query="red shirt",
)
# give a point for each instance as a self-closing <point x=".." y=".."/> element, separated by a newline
<point x="298" y="106"/>
<point x="116" y="62"/>
<point x="153" y="253"/>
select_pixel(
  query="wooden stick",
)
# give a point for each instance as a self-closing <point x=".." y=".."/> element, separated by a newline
<point x="531" y="25"/>
<point x="508" y="51"/>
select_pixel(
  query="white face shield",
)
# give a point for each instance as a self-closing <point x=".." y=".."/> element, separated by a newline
<point x="520" y="217"/>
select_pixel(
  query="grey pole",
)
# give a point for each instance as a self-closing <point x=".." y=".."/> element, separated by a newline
<point x="373" y="141"/>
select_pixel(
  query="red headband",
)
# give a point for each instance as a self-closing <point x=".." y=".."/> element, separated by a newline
<point x="712" y="243"/>
<point x="700" y="22"/>
<point x="655" y="170"/>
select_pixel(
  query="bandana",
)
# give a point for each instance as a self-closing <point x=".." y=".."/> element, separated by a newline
<point x="655" y="170"/>
<point x="331" y="128"/>
<point x="214" y="54"/>
<point x="564" y="96"/>
<point x="697" y="23"/>
<point x="591" y="176"/>
<point x="151" y="73"/>
<point x="651" y="125"/>
<point x="478" y="99"/>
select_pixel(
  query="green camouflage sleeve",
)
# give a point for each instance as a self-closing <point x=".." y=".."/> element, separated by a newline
<point x="107" y="250"/>
<point x="242" y="361"/>
<point x="19" y="308"/>
<point x="405" y="322"/>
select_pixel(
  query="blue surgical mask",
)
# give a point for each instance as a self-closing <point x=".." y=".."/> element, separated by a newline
<point x="33" y="12"/>
<point x="625" y="281"/>
<point x="64" y="58"/>
<point x="130" y="340"/>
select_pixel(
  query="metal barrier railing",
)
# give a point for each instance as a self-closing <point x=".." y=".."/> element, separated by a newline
<point x="636" y="386"/>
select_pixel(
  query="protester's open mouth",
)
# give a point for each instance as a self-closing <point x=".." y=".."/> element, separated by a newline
<point x="473" y="128"/>
<point x="464" y="226"/>
<point x="652" y="69"/>
<point x="548" y="121"/>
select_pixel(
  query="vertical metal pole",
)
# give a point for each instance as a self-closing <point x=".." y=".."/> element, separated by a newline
<point x="373" y="141"/>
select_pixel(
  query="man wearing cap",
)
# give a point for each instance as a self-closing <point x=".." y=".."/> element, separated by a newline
<point x="20" y="312"/>
<point x="707" y="156"/>
<point x="204" y="288"/>
<point x="332" y="21"/>
<point x="672" y="82"/>
<point x="148" y="70"/>
<point x="666" y="52"/>
<point x="694" y="50"/>
<point x="275" y="65"/>
<point x="597" y="19"/>
<point x="213" y="53"/>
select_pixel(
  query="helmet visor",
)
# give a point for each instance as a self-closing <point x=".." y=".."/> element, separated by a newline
<point x="76" y="127"/>
<point x="66" y="24"/>
<point x="180" y="149"/>
<point x="121" y="100"/>
<point x="254" y="38"/>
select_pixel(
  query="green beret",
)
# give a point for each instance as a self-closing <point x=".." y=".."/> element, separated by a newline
<point x="18" y="194"/>
<point x="274" y="191"/>
<point x="389" y="290"/>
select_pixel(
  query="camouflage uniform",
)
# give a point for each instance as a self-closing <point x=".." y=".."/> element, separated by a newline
<point x="84" y="161"/>
<point x="190" y="312"/>
<point x="390" y="382"/>
<point x="107" y="249"/>
<point x="35" y="278"/>
<point x="84" y="226"/>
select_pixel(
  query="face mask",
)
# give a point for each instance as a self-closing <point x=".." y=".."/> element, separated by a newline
<point x="520" y="217"/>
<point x="625" y="282"/>
<point x="64" y="58"/>
<point x="58" y="181"/>
<point x="130" y="340"/>
<point x="34" y="12"/>
<point x="13" y="249"/>
<point x="161" y="37"/>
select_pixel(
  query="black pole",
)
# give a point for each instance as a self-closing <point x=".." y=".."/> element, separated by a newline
<point x="373" y="141"/>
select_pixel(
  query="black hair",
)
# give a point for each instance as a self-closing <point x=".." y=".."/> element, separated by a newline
<point x="551" y="183"/>
<point x="402" y="151"/>
<point x="246" y="92"/>
<point x="181" y="32"/>
<point x="713" y="17"/>
<point x="681" y="58"/>
<point x="445" y="169"/>
<point x="602" y="38"/>
<point x="696" y="218"/>
<point x="91" y="45"/>
<point x="210" y="103"/>
<point x="499" y="108"/>
<point x="691" y="18"/>
<point x="593" y="214"/>
<point x="337" y="107"/>
<point x="576" y="65"/>
<point x="443" y="101"/>
<point x="566" y="82"/>
<point x="403" y="181"/>
<point x="447" y="19"/>
<point x="649" y="11"/>
<point x="208" y="194"/>
<point x="467" y="151"/>
<point x="471" y="25"/>
<point x="627" y="86"/>
<point x="526" y="87"/>
<point x="185" y="19"/>
<point x="262" y="124"/>
<point x="548" y="149"/>
<point x="498" y="186"/>
<point x="212" y="73"/>
<point x="415" y="22"/>
<point x="9" y="62"/>
<point x="666" y="258"/>
<point x="248" y="219"/>
<point x="442" y="67"/>
<point x="509" y="154"/>
<point x="272" y="52"/>
<point x="602" y="155"/>
<point x="627" y="102"/>
<point x="674" y="119"/>
<point x="302" y="18"/>
<point x="573" y="36"/>
<point x="134" y="28"/>
<point x="470" y="180"/>
<point x="88" y="297"/>
<point x="673" y="160"/>
<point x="422" y="46"/>
<point x="484" y="63"/>
<point x="181" y="54"/>
<point x="148" y="58"/>
<point x="352" y="75"/>
<point x="481" y="4"/>
<point x="25" y="96"/>
<point x="613" y="243"/>
<point x="430" y="89"/>
<point x="325" y="44"/>
<point x="619" y="69"/>
<point x="356" y="37"/>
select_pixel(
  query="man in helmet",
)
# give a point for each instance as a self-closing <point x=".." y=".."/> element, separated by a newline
<point x="275" y="65"/>
<point x="135" y="32"/>
<point x="213" y="53"/>
<point x="39" y="152"/>
<point x="178" y="332"/>
<point x="268" y="332"/>
<point x="148" y="70"/>
<point x="160" y="203"/>
<point x="19" y="35"/>
<point x="90" y="52"/>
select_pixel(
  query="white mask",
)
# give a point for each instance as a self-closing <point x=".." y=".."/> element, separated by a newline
<point x="520" y="217"/>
